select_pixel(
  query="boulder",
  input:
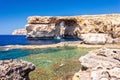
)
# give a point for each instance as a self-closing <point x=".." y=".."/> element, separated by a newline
<point x="95" y="38"/>
<point x="15" y="70"/>
<point x="101" y="64"/>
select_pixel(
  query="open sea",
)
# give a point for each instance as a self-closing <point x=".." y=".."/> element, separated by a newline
<point x="6" y="54"/>
<point x="22" y="40"/>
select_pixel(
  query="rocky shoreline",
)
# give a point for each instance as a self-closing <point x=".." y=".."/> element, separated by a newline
<point x="78" y="44"/>
<point x="94" y="31"/>
<point x="15" y="69"/>
<point x="100" y="64"/>
<point x="91" y="29"/>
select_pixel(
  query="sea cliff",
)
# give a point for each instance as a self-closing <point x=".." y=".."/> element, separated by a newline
<point x="19" y="32"/>
<point x="106" y="27"/>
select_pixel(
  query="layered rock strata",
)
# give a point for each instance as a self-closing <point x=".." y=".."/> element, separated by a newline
<point x="42" y="27"/>
<point x="101" y="64"/>
<point x="19" y="32"/>
<point x="73" y="26"/>
<point x="15" y="70"/>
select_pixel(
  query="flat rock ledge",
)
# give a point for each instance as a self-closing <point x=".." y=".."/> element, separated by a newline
<point x="100" y="64"/>
<point x="15" y="70"/>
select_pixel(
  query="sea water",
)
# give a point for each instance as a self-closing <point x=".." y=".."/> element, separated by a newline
<point x="22" y="40"/>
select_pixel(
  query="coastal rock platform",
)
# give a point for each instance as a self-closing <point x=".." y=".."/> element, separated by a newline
<point x="100" y="64"/>
<point x="78" y="44"/>
<point x="15" y="70"/>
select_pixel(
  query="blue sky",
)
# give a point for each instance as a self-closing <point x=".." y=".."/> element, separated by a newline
<point x="13" y="13"/>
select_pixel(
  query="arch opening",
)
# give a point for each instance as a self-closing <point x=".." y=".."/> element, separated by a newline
<point x="68" y="28"/>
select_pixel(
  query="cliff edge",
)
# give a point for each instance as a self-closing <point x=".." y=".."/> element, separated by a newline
<point x="19" y="32"/>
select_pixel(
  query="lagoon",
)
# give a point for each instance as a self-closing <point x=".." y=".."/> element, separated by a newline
<point x="51" y="63"/>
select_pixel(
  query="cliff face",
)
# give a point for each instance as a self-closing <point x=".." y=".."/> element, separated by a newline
<point x="73" y="26"/>
<point x="19" y="32"/>
<point x="42" y="27"/>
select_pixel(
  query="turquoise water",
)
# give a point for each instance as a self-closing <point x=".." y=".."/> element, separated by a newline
<point x="19" y="53"/>
<point x="13" y="54"/>
<point x="46" y="57"/>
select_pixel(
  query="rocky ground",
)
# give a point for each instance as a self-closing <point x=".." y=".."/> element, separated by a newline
<point x="15" y="70"/>
<point x="100" y="64"/>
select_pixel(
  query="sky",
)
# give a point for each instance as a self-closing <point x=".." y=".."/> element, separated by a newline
<point x="14" y="13"/>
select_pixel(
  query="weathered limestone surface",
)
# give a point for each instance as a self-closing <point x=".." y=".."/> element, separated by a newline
<point x="19" y="32"/>
<point x="73" y="26"/>
<point x="15" y="70"/>
<point x="116" y="40"/>
<point x="41" y="19"/>
<point x="40" y="31"/>
<point x="101" y="64"/>
<point x="95" y="38"/>
<point x="42" y="27"/>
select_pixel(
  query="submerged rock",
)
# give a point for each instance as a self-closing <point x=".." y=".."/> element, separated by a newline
<point x="15" y="70"/>
<point x="101" y="64"/>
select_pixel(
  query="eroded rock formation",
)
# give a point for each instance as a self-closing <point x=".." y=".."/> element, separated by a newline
<point x="42" y="27"/>
<point x="73" y="26"/>
<point x="19" y="32"/>
<point x="15" y="70"/>
<point x="101" y="64"/>
<point x="95" y="38"/>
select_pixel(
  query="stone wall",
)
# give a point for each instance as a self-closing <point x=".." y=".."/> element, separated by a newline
<point x="73" y="26"/>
